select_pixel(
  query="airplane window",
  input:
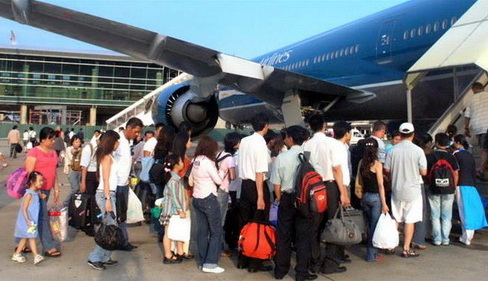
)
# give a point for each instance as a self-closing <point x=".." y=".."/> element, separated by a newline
<point x="314" y="59"/>
<point x="307" y="62"/>
<point x="413" y="32"/>
<point x="351" y="50"/>
<point x="346" y="52"/>
<point x="405" y="35"/>
<point x="341" y="53"/>
<point x="444" y="24"/>
<point x="453" y="20"/>
<point x="356" y="49"/>
<point x="336" y="54"/>
<point x="420" y="31"/>
<point x="428" y="28"/>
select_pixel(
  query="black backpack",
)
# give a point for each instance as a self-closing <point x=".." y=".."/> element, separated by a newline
<point x="156" y="173"/>
<point x="441" y="177"/>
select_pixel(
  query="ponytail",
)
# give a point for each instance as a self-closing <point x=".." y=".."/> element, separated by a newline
<point x="169" y="163"/>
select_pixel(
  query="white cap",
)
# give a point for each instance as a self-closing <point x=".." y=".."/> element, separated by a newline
<point x="406" y="128"/>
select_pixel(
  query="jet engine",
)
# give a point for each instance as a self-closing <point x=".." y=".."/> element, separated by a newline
<point x="179" y="103"/>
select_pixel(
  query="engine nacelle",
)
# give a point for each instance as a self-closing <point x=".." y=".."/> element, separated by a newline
<point x="178" y="103"/>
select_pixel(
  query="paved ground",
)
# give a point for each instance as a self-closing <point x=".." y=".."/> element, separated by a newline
<point x="455" y="262"/>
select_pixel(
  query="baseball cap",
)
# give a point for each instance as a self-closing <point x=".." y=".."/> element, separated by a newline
<point x="406" y="128"/>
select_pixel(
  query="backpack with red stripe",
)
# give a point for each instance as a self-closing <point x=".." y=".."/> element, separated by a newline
<point x="310" y="190"/>
<point x="257" y="240"/>
<point x="441" y="177"/>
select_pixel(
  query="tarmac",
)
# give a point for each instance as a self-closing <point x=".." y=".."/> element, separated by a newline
<point x="454" y="262"/>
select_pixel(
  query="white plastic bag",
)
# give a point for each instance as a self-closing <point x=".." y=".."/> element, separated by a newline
<point x="134" y="208"/>
<point x="386" y="233"/>
<point x="179" y="229"/>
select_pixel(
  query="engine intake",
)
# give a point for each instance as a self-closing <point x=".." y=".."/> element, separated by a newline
<point x="178" y="103"/>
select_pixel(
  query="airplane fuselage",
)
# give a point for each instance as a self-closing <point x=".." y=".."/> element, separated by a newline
<point x="372" y="54"/>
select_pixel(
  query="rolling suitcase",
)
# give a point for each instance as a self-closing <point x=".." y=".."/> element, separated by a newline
<point x="79" y="210"/>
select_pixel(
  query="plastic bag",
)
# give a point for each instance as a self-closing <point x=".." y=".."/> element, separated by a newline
<point x="179" y="229"/>
<point x="110" y="237"/>
<point x="386" y="233"/>
<point x="58" y="219"/>
<point x="134" y="208"/>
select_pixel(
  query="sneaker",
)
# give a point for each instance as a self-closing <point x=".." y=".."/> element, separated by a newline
<point x="464" y="242"/>
<point x="445" y="243"/>
<point x="38" y="259"/>
<point x="216" y="269"/>
<point x="18" y="258"/>
<point x="110" y="263"/>
<point x="96" y="265"/>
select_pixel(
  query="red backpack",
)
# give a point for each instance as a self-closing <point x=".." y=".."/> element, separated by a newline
<point x="310" y="189"/>
<point x="257" y="240"/>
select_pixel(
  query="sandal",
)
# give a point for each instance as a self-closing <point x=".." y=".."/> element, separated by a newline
<point x="410" y="254"/>
<point x="172" y="260"/>
<point x="390" y="251"/>
<point x="52" y="254"/>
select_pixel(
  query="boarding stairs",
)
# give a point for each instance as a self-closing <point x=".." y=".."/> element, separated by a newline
<point x="142" y="108"/>
<point x="454" y="113"/>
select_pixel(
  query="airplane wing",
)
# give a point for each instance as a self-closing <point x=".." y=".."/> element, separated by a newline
<point x="261" y="81"/>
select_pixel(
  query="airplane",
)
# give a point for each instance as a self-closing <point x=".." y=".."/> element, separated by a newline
<point x="353" y="72"/>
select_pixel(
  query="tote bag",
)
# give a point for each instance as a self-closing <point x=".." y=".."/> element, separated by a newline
<point x="134" y="208"/>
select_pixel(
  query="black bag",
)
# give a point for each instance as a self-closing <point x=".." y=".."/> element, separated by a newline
<point x="18" y="148"/>
<point x="79" y="210"/>
<point x="441" y="177"/>
<point x="156" y="173"/>
<point x="110" y="237"/>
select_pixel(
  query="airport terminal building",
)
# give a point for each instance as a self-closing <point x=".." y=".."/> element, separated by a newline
<point x="73" y="88"/>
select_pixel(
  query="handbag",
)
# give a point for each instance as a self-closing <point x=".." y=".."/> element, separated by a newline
<point x="110" y="237"/>
<point x="18" y="148"/>
<point x="341" y="231"/>
<point x="179" y="229"/>
<point x="356" y="216"/>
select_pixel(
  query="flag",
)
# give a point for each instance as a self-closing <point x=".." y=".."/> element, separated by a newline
<point x="13" y="38"/>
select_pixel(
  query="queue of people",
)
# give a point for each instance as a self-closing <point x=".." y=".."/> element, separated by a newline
<point x="214" y="195"/>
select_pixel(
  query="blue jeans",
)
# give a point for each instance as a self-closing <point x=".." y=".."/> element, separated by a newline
<point x="209" y="230"/>
<point x="75" y="182"/>
<point x="44" y="226"/>
<point x="441" y="215"/>
<point x="223" y="198"/>
<point x="99" y="254"/>
<point x="372" y="208"/>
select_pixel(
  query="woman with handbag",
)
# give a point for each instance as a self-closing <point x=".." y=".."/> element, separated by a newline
<point x="174" y="204"/>
<point x="99" y="258"/>
<point x="369" y="187"/>
<point x="204" y="178"/>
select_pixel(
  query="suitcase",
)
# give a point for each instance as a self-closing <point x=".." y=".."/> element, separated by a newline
<point x="79" y="210"/>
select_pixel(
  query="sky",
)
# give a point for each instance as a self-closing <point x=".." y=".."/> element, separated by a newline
<point x="244" y="28"/>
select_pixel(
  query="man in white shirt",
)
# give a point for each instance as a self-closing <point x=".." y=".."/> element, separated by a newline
<point x="253" y="165"/>
<point x="379" y="131"/>
<point x="151" y="143"/>
<point x="124" y="159"/>
<point x="326" y="161"/>
<point x="476" y="117"/>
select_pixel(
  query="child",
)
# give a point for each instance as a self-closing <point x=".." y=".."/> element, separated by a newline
<point x="27" y="219"/>
<point x="173" y="204"/>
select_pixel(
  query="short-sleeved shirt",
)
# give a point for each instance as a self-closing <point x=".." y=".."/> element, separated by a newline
<point x="284" y="171"/>
<point x="323" y="154"/>
<point x="224" y="166"/>
<point x="235" y="185"/>
<point x="88" y="159"/>
<point x="478" y="113"/>
<point x="150" y="145"/>
<point x="405" y="163"/>
<point x="467" y="168"/>
<point x="381" y="149"/>
<point x="124" y="159"/>
<point x="46" y="164"/>
<point x="253" y="157"/>
<point x="441" y="154"/>
<point x="342" y="149"/>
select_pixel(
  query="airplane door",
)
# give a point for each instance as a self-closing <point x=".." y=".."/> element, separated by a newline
<point x="385" y="42"/>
